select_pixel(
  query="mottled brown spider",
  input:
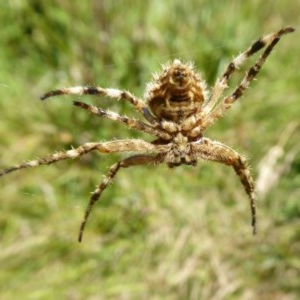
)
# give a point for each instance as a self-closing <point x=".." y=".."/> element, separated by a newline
<point x="177" y="109"/>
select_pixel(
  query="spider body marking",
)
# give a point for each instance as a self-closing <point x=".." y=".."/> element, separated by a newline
<point x="177" y="109"/>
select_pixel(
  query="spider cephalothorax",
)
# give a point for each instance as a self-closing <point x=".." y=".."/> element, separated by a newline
<point x="177" y="110"/>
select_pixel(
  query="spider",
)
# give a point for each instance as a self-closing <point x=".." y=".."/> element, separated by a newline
<point x="177" y="108"/>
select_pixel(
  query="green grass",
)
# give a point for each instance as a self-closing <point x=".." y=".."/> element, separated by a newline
<point x="158" y="233"/>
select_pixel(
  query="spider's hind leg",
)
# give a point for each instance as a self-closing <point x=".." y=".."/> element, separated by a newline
<point x="130" y="122"/>
<point x="138" y="104"/>
<point x="113" y="170"/>
<point x="215" y="112"/>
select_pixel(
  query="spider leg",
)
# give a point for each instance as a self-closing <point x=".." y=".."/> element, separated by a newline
<point x="130" y="122"/>
<point x="222" y="82"/>
<point x="138" y="104"/>
<point x="73" y="153"/>
<point x="271" y="40"/>
<point x="216" y="151"/>
<point x="106" y="147"/>
<point x="125" y="163"/>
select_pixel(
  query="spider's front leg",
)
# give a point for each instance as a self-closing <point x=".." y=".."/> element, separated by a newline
<point x="105" y="147"/>
<point x="216" y="151"/>
<point x="62" y="155"/>
<point x="125" y="163"/>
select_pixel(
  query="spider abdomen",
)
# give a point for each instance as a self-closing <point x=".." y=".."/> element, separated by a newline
<point x="176" y="93"/>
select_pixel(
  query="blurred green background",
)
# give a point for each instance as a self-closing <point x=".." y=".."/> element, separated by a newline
<point x="157" y="233"/>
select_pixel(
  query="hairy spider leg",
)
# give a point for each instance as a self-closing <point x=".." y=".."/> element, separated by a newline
<point x="222" y="82"/>
<point x="72" y="153"/>
<point x="105" y="147"/>
<point x="138" y="104"/>
<point x="130" y="122"/>
<point x="227" y="102"/>
<point x="125" y="163"/>
<point x="208" y="149"/>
